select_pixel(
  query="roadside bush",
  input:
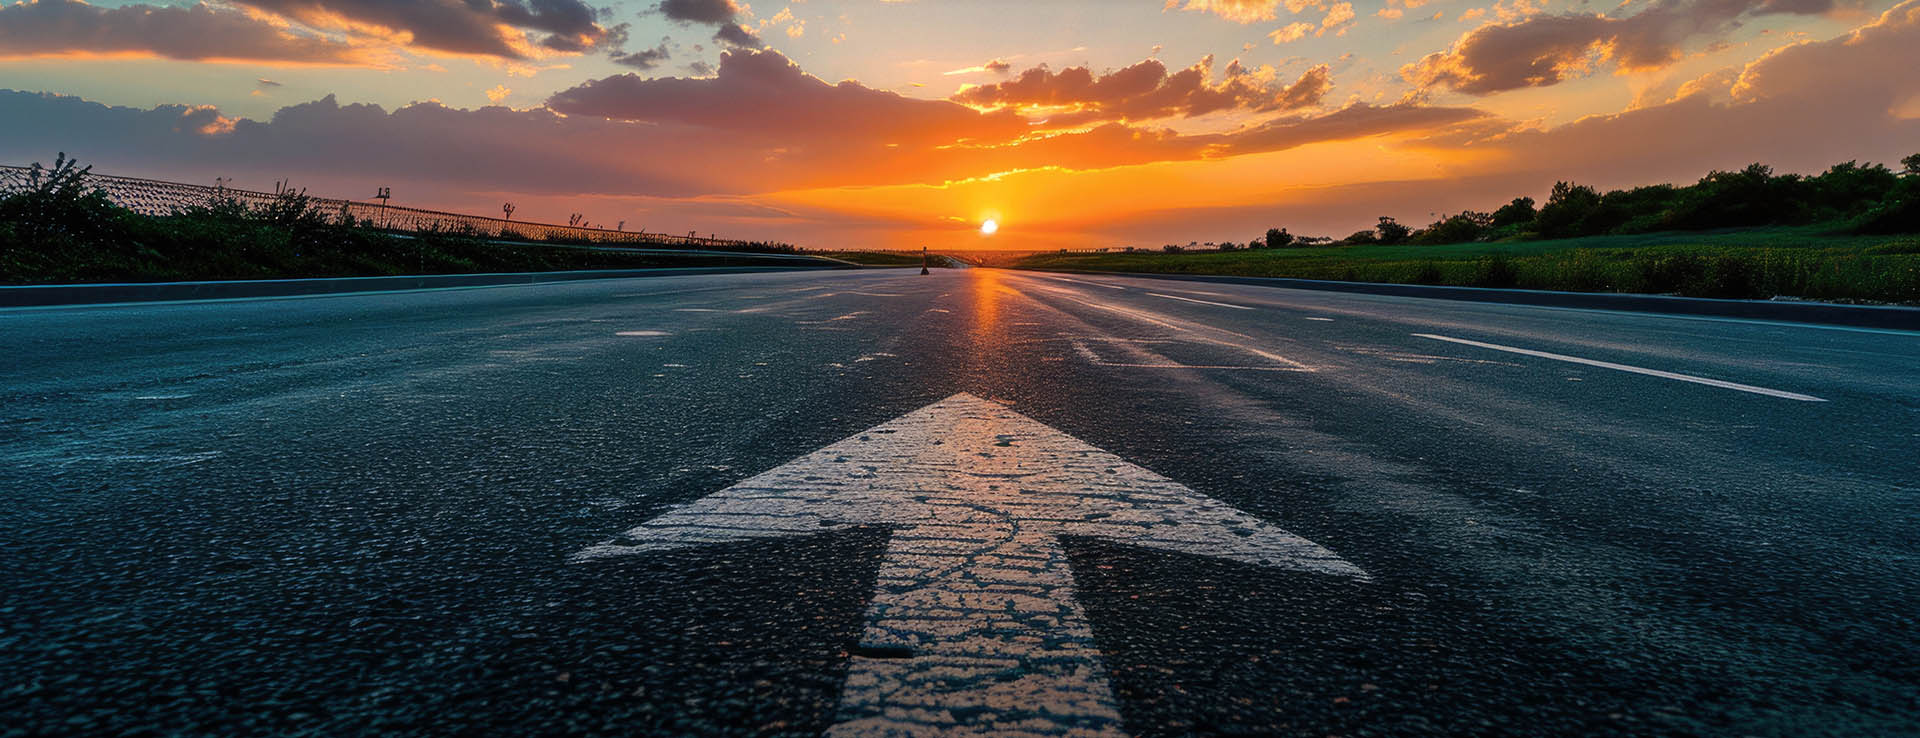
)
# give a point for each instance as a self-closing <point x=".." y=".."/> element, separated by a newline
<point x="1667" y="273"/>
<point x="1898" y="212"/>
<point x="57" y="209"/>
<point x="1731" y="277"/>
<point x="1494" y="271"/>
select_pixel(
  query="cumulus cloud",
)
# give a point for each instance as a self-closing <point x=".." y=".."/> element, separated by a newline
<point x="724" y="14"/>
<point x="1306" y="91"/>
<point x="765" y="95"/>
<point x="1291" y="32"/>
<point x="737" y="36"/>
<point x="1543" y="50"/>
<point x="1238" y="11"/>
<point x="643" y="59"/>
<point x="1147" y="91"/>
<point x="196" y="32"/>
<point x="495" y="28"/>
<point x="708" y="12"/>
<point x="1800" y="108"/>
<point x="1338" y="17"/>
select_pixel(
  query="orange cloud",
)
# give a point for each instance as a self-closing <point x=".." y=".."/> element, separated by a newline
<point x="1544" y="50"/>
<point x="1146" y="91"/>
<point x="57" y="28"/>
<point x="466" y="27"/>
<point x="1238" y="11"/>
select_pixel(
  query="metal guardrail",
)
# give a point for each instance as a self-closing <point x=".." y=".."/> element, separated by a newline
<point x="161" y="198"/>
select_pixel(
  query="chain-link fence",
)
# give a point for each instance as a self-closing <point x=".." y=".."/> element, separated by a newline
<point x="158" y="198"/>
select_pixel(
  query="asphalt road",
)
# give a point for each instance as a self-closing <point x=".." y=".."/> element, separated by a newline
<point x="362" y="514"/>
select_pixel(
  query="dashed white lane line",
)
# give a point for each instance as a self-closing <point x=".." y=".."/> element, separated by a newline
<point x="848" y="316"/>
<point x="973" y="628"/>
<point x="1282" y="364"/>
<point x="641" y="334"/>
<point x="1634" y="369"/>
<point x="1082" y="281"/>
<point x="1203" y="302"/>
<point x="1135" y="314"/>
<point x="1323" y="320"/>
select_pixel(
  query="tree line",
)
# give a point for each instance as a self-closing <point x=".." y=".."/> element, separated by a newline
<point x="1856" y="198"/>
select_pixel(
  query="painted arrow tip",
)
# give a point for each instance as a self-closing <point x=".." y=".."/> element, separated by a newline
<point x="973" y="628"/>
<point x="967" y="463"/>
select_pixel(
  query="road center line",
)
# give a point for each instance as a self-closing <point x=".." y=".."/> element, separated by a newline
<point x="1203" y="302"/>
<point x="1634" y="369"/>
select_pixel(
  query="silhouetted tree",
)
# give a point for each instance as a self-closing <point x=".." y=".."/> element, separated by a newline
<point x="1751" y="196"/>
<point x="1391" y="232"/>
<point x="1278" y="238"/>
<point x="1519" y="212"/>
<point x="1910" y="165"/>
<point x="1566" y="207"/>
<point x="1899" y="212"/>
<point x="1467" y="226"/>
<point x="1846" y="190"/>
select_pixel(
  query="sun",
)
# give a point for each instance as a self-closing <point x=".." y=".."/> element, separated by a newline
<point x="988" y="226"/>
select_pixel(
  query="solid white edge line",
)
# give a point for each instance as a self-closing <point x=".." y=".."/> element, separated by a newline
<point x="1634" y="369"/>
<point x="1203" y="302"/>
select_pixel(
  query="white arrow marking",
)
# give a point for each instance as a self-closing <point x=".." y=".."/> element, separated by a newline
<point x="973" y="628"/>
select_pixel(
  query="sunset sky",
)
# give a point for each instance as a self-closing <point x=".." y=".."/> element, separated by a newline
<point x="896" y="124"/>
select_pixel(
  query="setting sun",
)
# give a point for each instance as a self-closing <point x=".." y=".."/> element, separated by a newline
<point x="988" y="226"/>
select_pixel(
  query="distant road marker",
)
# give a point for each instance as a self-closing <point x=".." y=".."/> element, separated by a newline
<point x="1323" y="320"/>
<point x="973" y="628"/>
<point x="1203" y="302"/>
<point x="1634" y="369"/>
<point x="641" y="334"/>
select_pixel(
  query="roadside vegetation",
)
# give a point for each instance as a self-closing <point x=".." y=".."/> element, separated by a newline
<point x="876" y="258"/>
<point x="59" y="230"/>
<point x="1851" y="233"/>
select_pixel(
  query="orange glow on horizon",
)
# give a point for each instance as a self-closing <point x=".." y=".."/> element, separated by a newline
<point x="1067" y="206"/>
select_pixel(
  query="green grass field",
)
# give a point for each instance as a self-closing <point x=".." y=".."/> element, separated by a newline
<point x="1803" y="261"/>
